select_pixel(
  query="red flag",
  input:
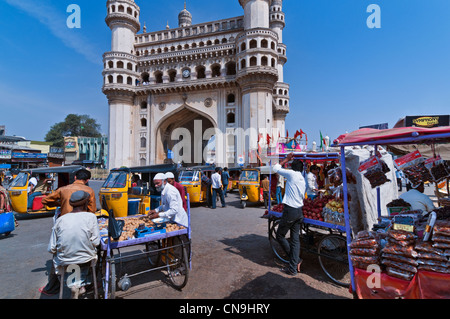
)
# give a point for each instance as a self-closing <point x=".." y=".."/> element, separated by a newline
<point x="287" y="134"/>
<point x="268" y="139"/>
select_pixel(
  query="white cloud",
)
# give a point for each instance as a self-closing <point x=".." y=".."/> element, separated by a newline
<point x="55" y="21"/>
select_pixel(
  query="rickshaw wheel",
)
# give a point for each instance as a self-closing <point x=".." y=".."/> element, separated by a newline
<point x="177" y="260"/>
<point x="333" y="258"/>
<point x="243" y="204"/>
<point x="276" y="247"/>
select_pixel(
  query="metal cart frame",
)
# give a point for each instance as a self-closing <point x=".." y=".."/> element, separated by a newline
<point x="173" y="261"/>
<point x="400" y="136"/>
<point x="332" y="246"/>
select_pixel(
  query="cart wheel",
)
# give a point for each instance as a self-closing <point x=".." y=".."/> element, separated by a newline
<point x="110" y="292"/>
<point x="154" y="258"/>
<point x="177" y="260"/>
<point x="274" y="244"/>
<point x="243" y="204"/>
<point x="333" y="258"/>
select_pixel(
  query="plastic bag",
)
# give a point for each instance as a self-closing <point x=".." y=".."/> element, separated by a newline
<point x="431" y="256"/>
<point x="399" y="258"/>
<point x="437" y="168"/>
<point x="441" y="245"/>
<point x="375" y="171"/>
<point x="335" y="176"/>
<point x="401" y="274"/>
<point x="365" y="243"/>
<point x="403" y="243"/>
<point x="427" y="247"/>
<point x="365" y="259"/>
<point x="413" y="167"/>
<point x="394" y="249"/>
<point x="441" y="239"/>
<point x="401" y="235"/>
<point x="396" y="264"/>
<point x="366" y="234"/>
<point x="442" y="227"/>
<point x="115" y="227"/>
<point x="364" y="251"/>
<point x="444" y="270"/>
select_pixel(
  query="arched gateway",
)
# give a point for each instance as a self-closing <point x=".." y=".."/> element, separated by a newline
<point x="182" y="134"/>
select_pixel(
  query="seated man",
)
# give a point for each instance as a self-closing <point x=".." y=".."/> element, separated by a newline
<point x="418" y="199"/>
<point x="39" y="188"/>
<point x="75" y="237"/>
<point x="171" y="202"/>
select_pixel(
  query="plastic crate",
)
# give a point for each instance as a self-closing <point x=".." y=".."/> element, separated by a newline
<point x="7" y="223"/>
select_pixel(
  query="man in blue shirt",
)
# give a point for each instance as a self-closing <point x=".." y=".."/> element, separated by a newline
<point x="225" y="180"/>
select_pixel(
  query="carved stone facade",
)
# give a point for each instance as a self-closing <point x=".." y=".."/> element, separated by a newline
<point x="225" y="75"/>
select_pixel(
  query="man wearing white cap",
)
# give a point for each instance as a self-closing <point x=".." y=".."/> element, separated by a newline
<point x="171" y="180"/>
<point x="171" y="202"/>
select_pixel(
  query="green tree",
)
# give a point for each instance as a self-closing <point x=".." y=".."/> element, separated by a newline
<point x="73" y="125"/>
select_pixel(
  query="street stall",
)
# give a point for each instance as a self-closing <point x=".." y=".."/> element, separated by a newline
<point x="325" y="230"/>
<point x="166" y="246"/>
<point x="408" y="248"/>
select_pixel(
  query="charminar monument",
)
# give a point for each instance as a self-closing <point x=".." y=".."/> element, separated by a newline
<point x="187" y="83"/>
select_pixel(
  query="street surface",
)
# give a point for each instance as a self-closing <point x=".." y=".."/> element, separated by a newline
<point x="232" y="258"/>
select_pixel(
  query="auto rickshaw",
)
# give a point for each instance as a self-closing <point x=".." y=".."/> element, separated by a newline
<point x="18" y="189"/>
<point x="191" y="179"/>
<point x="234" y="172"/>
<point x="250" y="189"/>
<point x="131" y="191"/>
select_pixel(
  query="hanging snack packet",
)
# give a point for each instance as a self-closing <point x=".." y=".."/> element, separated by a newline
<point x="413" y="167"/>
<point x="374" y="171"/>
<point x="437" y="168"/>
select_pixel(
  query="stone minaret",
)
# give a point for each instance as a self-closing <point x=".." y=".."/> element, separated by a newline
<point x="120" y="76"/>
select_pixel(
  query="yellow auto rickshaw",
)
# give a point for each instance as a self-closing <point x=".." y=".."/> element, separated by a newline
<point x="18" y="189"/>
<point x="234" y="172"/>
<point x="250" y="189"/>
<point x="131" y="191"/>
<point x="191" y="179"/>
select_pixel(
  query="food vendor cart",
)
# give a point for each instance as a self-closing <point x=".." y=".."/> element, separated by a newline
<point x="167" y="247"/>
<point x="424" y="284"/>
<point x="327" y="238"/>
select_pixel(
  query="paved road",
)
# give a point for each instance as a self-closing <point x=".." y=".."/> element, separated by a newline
<point x="231" y="259"/>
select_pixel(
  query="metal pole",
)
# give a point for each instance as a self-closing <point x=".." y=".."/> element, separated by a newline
<point x="108" y="255"/>
<point x="347" y="217"/>
<point x="378" y="191"/>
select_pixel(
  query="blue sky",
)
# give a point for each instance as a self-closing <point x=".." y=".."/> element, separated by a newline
<point x="342" y="74"/>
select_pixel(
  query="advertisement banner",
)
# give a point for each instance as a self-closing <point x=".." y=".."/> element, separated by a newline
<point x="70" y="144"/>
<point x="427" y="121"/>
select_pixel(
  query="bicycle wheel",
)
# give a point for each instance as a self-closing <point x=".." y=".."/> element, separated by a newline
<point x="111" y="281"/>
<point x="274" y="244"/>
<point x="177" y="260"/>
<point x="154" y="256"/>
<point x="333" y="259"/>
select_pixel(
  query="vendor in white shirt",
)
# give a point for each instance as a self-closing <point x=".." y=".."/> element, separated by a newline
<point x="171" y="202"/>
<point x="292" y="217"/>
<point x="312" y="187"/>
<point x="418" y="199"/>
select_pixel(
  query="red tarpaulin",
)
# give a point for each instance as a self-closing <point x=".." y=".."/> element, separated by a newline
<point x="424" y="285"/>
<point x="368" y="135"/>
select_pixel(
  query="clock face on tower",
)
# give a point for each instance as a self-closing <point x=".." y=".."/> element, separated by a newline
<point x="186" y="73"/>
